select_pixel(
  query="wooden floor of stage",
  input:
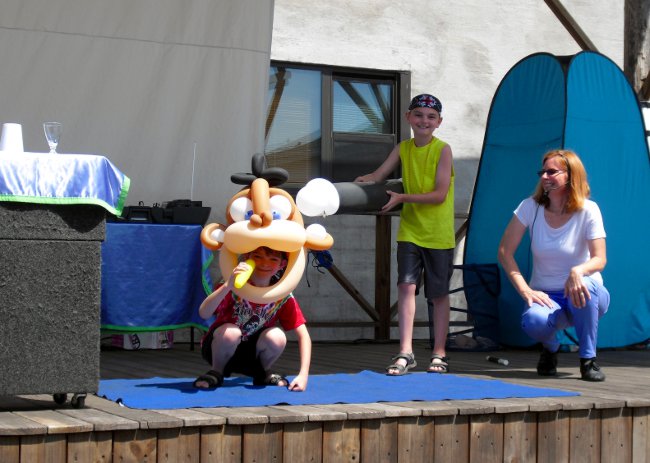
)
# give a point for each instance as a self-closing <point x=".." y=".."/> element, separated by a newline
<point x="609" y="421"/>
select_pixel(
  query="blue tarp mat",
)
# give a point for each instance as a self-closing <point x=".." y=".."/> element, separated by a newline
<point x="583" y="103"/>
<point x="363" y="387"/>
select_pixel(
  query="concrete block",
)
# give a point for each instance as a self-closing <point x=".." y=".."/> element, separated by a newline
<point x="50" y="286"/>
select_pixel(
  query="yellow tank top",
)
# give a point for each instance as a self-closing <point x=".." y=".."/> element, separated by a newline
<point x="427" y="225"/>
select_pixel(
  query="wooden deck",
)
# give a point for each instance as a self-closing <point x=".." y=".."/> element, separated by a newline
<point x="608" y="422"/>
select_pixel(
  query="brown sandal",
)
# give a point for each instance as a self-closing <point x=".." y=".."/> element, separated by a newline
<point x="401" y="369"/>
<point x="440" y="362"/>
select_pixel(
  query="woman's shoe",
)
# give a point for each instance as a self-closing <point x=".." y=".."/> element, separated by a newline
<point x="547" y="364"/>
<point x="590" y="370"/>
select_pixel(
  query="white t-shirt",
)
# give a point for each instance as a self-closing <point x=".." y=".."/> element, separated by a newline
<point x="556" y="250"/>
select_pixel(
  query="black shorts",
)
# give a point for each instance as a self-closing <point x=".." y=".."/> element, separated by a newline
<point x="437" y="264"/>
<point x="244" y="361"/>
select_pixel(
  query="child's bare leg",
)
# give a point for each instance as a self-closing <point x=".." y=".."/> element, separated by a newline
<point x="441" y="309"/>
<point x="406" y="316"/>
<point x="270" y="346"/>
<point x="225" y="340"/>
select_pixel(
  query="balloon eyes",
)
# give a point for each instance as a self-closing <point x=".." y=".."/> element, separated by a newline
<point x="280" y="207"/>
<point x="242" y="208"/>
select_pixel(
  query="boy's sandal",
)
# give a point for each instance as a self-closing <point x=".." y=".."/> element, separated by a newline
<point x="213" y="378"/>
<point x="439" y="364"/>
<point x="272" y="379"/>
<point x="401" y="369"/>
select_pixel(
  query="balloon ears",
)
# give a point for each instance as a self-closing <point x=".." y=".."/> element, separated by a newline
<point x="318" y="198"/>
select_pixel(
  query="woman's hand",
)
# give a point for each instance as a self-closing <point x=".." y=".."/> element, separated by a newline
<point x="539" y="297"/>
<point x="575" y="289"/>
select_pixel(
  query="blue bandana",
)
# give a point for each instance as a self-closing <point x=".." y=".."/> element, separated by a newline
<point x="426" y="101"/>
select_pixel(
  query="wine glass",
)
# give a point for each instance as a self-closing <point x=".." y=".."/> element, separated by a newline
<point x="53" y="134"/>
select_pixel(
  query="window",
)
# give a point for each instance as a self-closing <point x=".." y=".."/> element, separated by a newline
<point x="330" y="122"/>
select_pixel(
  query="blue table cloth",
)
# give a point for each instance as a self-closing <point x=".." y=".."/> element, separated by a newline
<point x="154" y="277"/>
<point x="63" y="179"/>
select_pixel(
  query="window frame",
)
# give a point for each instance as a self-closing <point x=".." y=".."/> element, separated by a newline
<point x="400" y="101"/>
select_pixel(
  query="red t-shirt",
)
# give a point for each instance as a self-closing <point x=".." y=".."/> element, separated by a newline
<point x="252" y="317"/>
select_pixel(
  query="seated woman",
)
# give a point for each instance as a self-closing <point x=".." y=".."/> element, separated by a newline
<point x="568" y="250"/>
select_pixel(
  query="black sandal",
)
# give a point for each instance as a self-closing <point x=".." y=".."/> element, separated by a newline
<point x="213" y="378"/>
<point x="590" y="370"/>
<point x="401" y="369"/>
<point x="547" y="364"/>
<point x="440" y="362"/>
<point x="272" y="379"/>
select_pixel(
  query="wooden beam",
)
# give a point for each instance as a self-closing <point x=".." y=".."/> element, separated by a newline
<point x="644" y="91"/>
<point x="570" y="25"/>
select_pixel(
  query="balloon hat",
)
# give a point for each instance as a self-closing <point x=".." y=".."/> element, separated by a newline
<point x="263" y="215"/>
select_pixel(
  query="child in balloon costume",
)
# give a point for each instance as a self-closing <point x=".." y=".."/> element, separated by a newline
<point x="262" y="254"/>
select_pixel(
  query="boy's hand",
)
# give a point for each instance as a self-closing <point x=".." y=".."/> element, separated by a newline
<point x="298" y="384"/>
<point x="394" y="200"/>
<point x="364" y="178"/>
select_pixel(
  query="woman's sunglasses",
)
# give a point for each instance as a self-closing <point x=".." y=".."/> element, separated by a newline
<point x="548" y="172"/>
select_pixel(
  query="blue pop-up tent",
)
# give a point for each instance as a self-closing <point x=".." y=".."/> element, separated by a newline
<point x="583" y="103"/>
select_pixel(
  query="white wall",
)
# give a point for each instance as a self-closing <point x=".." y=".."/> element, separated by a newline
<point x="142" y="81"/>
<point x="459" y="51"/>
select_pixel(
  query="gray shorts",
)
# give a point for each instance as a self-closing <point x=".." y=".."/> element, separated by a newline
<point x="438" y="266"/>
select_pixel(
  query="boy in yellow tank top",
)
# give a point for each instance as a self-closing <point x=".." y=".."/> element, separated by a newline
<point x="425" y="240"/>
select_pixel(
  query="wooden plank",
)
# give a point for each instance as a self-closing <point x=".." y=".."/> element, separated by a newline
<point x="415" y="437"/>
<point x="190" y="445"/>
<point x="12" y="424"/>
<point x="55" y="447"/>
<point x="81" y="447"/>
<point x="146" y="418"/>
<point x="262" y="442"/>
<point x="221" y="443"/>
<point x="103" y="447"/>
<point x="239" y="416"/>
<point x="616" y="434"/>
<point x="100" y="420"/>
<point x="135" y="445"/>
<point x="303" y="441"/>
<point x="520" y="436"/>
<point x="168" y="445"/>
<point x="379" y="440"/>
<point x="438" y="408"/>
<point x="486" y="438"/>
<point x="585" y="435"/>
<point x="341" y="441"/>
<point x="32" y="449"/>
<point x="356" y="411"/>
<point x="640" y="434"/>
<point x="56" y="423"/>
<point x="553" y="436"/>
<point x="313" y="412"/>
<point x="391" y="410"/>
<point x="9" y="449"/>
<point x="192" y="417"/>
<point x="474" y="407"/>
<point x="451" y="438"/>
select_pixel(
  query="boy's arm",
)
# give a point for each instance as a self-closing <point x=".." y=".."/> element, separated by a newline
<point x="440" y="191"/>
<point x="299" y="383"/>
<point x="210" y="304"/>
<point x="384" y="170"/>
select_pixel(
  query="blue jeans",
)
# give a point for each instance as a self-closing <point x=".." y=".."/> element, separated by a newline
<point x="542" y="323"/>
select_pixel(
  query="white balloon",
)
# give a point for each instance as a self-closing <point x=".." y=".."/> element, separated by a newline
<point x="316" y="230"/>
<point x="308" y="204"/>
<point x="318" y="198"/>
